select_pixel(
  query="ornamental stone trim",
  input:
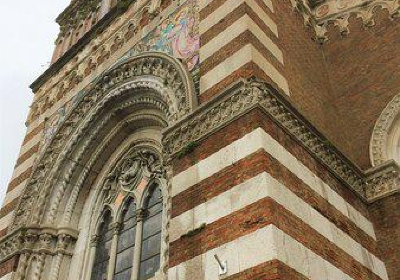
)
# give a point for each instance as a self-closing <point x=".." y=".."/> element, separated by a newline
<point x="244" y="96"/>
<point x="248" y="94"/>
<point x="382" y="181"/>
<point x="338" y="12"/>
<point x="36" y="240"/>
<point x="154" y="71"/>
<point x="379" y="140"/>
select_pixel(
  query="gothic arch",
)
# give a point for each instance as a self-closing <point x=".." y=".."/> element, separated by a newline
<point x="151" y="90"/>
<point x="385" y="141"/>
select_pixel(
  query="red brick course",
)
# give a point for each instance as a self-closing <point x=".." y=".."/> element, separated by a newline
<point x="246" y="71"/>
<point x="3" y="232"/>
<point x="246" y="38"/>
<point x="18" y="180"/>
<point x="252" y="166"/>
<point x="256" y="216"/>
<point x="32" y="151"/>
<point x="33" y="133"/>
<point x="385" y="215"/>
<point x="247" y="123"/>
<point x="6" y="209"/>
<point x="273" y="270"/>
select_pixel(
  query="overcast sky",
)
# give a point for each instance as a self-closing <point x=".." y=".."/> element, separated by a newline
<point x="27" y="40"/>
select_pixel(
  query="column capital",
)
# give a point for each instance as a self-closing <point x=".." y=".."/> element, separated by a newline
<point x="141" y="214"/>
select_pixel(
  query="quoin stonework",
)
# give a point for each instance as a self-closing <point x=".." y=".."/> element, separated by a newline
<point x="212" y="139"/>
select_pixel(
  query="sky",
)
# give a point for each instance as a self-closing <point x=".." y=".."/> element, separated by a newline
<point x="26" y="45"/>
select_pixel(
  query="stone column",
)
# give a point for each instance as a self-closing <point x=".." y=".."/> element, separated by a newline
<point x="22" y="267"/>
<point x="141" y="213"/>
<point x="113" y="252"/>
<point x="93" y="246"/>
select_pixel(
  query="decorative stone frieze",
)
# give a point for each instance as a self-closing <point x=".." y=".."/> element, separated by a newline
<point x="244" y="96"/>
<point x="321" y="14"/>
<point x="382" y="180"/>
<point x="34" y="240"/>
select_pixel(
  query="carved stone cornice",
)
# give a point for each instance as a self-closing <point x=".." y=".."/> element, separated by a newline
<point x="321" y="14"/>
<point x="382" y="181"/>
<point x="244" y="96"/>
<point x="35" y="240"/>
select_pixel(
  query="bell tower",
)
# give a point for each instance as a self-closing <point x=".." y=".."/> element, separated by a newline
<point x="211" y="139"/>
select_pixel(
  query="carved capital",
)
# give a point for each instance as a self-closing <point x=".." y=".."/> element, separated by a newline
<point x="141" y="214"/>
<point x="383" y="181"/>
<point x="94" y="240"/>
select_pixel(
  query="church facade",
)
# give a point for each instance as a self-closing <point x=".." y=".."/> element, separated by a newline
<point x="212" y="139"/>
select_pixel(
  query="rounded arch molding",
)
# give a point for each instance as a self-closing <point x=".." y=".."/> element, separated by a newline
<point x="153" y="82"/>
<point x="385" y="140"/>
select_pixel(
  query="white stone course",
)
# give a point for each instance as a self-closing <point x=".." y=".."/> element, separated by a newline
<point x="6" y="220"/>
<point x="240" y="58"/>
<point x="263" y="186"/>
<point x="233" y="31"/>
<point x="249" y="144"/>
<point x="229" y="6"/>
<point x="254" y="249"/>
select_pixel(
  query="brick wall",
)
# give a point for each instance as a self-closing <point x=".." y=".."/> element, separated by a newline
<point x="364" y="70"/>
<point x="385" y="215"/>
<point x="305" y="68"/>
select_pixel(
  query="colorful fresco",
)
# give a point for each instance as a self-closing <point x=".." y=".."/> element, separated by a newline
<point x="177" y="36"/>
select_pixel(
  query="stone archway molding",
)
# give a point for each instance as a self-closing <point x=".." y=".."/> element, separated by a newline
<point x="380" y="148"/>
<point x="153" y="71"/>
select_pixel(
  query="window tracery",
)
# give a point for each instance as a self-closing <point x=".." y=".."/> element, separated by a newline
<point x="128" y="243"/>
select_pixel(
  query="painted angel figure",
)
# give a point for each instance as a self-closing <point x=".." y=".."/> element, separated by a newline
<point x="185" y="44"/>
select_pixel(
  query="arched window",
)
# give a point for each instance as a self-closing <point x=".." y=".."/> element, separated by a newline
<point x="151" y="238"/>
<point x="126" y="242"/>
<point x="130" y="247"/>
<point x="102" y="256"/>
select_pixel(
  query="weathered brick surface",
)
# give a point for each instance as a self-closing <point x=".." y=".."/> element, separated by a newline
<point x="32" y="151"/>
<point x="6" y="209"/>
<point x="256" y="216"/>
<point x="247" y="123"/>
<point x="252" y="166"/>
<point x="364" y="70"/>
<point x="273" y="270"/>
<point x="385" y="215"/>
<point x="305" y="67"/>
<point x="343" y="85"/>
<point x="33" y="133"/>
<point x="3" y="232"/>
<point x="18" y="180"/>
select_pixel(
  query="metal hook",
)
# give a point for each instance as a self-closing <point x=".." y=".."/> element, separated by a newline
<point x="223" y="266"/>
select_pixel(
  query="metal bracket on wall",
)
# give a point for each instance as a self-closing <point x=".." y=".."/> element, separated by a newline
<point x="223" y="266"/>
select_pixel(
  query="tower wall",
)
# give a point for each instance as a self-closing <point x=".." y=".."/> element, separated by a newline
<point x="268" y="168"/>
